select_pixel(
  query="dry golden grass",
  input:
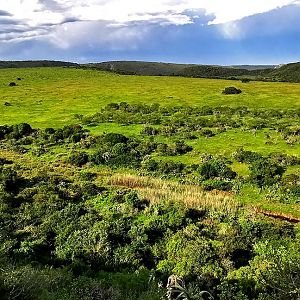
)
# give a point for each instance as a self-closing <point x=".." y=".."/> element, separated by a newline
<point x="192" y="196"/>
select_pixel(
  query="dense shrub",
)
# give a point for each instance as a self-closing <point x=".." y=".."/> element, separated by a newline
<point x="231" y="91"/>
<point x="114" y="138"/>
<point x="215" y="169"/>
<point x="150" y="131"/>
<point x="170" y="167"/>
<point x="150" y="165"/>
<point x="284" y="159"/>
<point x="78" y="158"/>
<point x="265" y="172"/>
<point x="245" y="80"/>
<point x="244" y="156"/>
<point x="210" y="185"/>
<point x="89" y="242"/>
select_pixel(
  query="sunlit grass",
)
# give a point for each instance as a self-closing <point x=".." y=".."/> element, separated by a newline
<point x="50" y="97"/>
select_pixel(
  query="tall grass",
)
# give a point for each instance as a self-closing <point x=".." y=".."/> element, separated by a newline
<point x="192" y="196"/>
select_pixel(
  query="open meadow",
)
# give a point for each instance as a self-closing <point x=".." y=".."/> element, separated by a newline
<point x="107" y="180"/>
<point x="50" y="97"/>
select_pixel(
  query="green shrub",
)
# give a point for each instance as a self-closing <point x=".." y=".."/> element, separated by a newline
<point x="244" y="156"/>
<point x="265" y="172"/>
<point x="215" y="169"/>
<point x="231" y="91"/>
<point x="210" y="185"/>
<point x="170" y="167"/>
<point x="150" y="165"/>
<point x="150" y="131"/>
<point x="78" y="158"/>
<point x="114" y="138"/>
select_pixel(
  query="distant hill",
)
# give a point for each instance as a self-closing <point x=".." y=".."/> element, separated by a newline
<point x="288" y="72"/>
<point x="217" y="72"/>
<point x="140" y="68"/>
<point x="254" y="67"/>
<point x="35" y="64"/>
<point x="186" y="70"/>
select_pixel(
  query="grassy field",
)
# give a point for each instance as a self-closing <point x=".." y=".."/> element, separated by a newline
<point x="208" y="194"/>
<point x="50" y="97"/>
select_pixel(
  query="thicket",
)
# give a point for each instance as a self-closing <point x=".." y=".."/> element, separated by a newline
<point x="62" y="238"/>
<point x="187" y="121"/>
<point x="118" y="151"/>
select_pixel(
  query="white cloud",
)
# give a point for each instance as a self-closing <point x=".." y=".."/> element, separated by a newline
<point x="41" y="11"/>
<point x="46" y="13"/>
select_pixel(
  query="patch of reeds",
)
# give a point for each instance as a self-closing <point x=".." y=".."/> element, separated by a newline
<point x="192" y="196"/>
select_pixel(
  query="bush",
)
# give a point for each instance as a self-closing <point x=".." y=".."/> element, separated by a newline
<point x="244" y="156"/>
<point x="170" y="167"/>
<point x="4" y="130"/>
<point x="215" y="169"/>
<point x="150" y="131"/>
<point x="207" y="133"/>
<point x="245" y="80"/>
<point x="180" y="147"/>
<point x="265" y="172"/>
<point x="78" y="158"/>
<point x="220" y="185"/>
<point x="50" y="130"/>
<point x="231" y="91"/>
<point x="150" y="165"/>
<point x="114" y="138"/>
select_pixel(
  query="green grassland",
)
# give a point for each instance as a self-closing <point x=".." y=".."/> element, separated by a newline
<point x="50" y="97"/>
<point x="109" y="184"/>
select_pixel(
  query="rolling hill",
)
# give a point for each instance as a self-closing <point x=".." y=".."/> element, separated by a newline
<point x="287" y="73"/>
<point x="35" y="64"/>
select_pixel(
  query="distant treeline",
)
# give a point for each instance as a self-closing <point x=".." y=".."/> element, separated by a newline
<point x="286" y="73"/>
<point x="35" y="64"/>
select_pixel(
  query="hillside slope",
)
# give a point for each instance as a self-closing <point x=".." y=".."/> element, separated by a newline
<point x="35" y="64"/>
<point x="169" y="69"/>
<point x="289" y="73"/>
<point x="140" y="68"/>
<point x="185" y="70"/>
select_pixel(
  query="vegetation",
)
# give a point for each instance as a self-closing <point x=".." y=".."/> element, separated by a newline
<point x="231" y="90"/>
<point x="108" y="195"/>
<point x="35" y="64"/>
<point x="286" y="73"/>
<point x="289" y="72"/>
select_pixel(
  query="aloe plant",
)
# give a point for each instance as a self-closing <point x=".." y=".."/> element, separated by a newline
<point x="176" y="290"/>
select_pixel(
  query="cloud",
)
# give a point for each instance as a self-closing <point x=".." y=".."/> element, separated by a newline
<point x="121" y="12"/>
<point x="203" y="31"/>
<point x="266" y="24"/>
<point x="4" y="13"/>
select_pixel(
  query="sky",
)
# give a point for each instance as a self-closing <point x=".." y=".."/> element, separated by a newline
<point x="223" y="32"/>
